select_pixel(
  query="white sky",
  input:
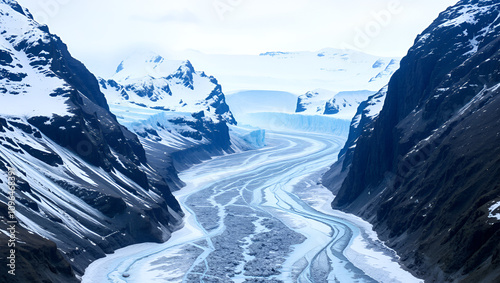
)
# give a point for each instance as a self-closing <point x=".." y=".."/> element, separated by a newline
<point x="102" y="32"/>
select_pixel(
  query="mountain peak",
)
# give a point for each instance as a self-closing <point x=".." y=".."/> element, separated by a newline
<point x="186" y="67"/>
<point x="145" y="64"/>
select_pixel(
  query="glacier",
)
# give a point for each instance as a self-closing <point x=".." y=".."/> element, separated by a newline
<point x="297" y="123"/>
<point x="259" y="216"/>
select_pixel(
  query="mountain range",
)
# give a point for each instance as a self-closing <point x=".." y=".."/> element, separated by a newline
<point x="180" y="113"/>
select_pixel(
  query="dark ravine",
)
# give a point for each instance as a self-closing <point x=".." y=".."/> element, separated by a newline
<point x="425" y="172"/>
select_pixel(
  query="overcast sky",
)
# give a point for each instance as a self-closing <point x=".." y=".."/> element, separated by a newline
<point x="101" y="32"/>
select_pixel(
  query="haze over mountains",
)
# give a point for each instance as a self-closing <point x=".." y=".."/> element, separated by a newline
<point x="299" y="72"/>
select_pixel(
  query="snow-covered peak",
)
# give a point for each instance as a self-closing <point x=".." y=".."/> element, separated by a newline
<point x="147" y="80"/>
<point x="145" y="64"/>
<point x="185" y="74"/>
<point x="185" y="68"/>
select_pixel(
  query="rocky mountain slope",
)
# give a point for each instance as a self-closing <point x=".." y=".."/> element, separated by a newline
<point x="425" y="172"/>
<point x="366" y="113"/>
<point x="180" y="114"/>
<point x="83" y="181"/>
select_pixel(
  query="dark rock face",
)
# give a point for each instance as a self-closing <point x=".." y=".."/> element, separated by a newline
<point x="366" y="114"/>
<point x="301" y="105"/>
<point x="331" y="107"/>
<point x="425" y="172"/>
<point x="37" y="260"/>
<point x="83" y="181"/>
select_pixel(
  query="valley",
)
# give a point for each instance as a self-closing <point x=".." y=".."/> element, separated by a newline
<point x="258" y="216"/>
<point x="250" y="165"/>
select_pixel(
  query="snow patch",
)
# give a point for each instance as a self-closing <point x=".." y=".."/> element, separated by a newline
<point x="492" y="209"/>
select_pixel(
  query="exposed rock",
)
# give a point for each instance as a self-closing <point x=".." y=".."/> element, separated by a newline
<point x="425" y="172"/>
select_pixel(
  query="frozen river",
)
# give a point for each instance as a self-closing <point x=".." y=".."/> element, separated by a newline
<point x="260" y="216"/>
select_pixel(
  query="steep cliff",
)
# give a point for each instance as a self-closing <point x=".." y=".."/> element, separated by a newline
<point x="425" y="172"/>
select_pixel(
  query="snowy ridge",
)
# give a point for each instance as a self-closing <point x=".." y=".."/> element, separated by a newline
<point x="344" y="104"/>
<point x="145" y="64"/>
<point x="169" y="103"/>
<point x="148" y="80"/>
<point x="61" y="195"/>
<point x="165" y="128"/>
<point x="477" y="20"/>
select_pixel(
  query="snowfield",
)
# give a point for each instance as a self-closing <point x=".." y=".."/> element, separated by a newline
<point x="298" y="72"/>
<point x="256" y="216"/>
